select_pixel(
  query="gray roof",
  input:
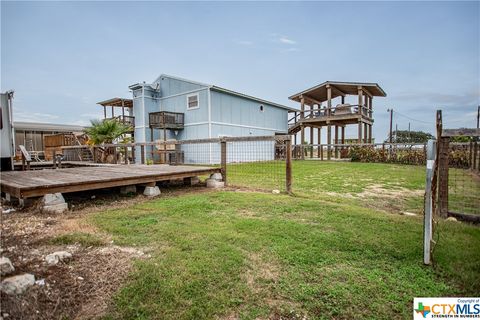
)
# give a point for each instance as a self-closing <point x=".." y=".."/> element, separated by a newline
<point x="40" y="126"/>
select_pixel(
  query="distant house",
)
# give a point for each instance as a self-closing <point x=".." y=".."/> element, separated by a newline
<point x="175" y="108"/>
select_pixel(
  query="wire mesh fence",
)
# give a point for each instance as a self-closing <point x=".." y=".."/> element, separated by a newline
<point x="258" y="162"/>
<point x="463" y="178"/>
<point x="404" y="153"/>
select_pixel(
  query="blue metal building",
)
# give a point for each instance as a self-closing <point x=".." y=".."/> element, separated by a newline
<point x="182" y="109"/>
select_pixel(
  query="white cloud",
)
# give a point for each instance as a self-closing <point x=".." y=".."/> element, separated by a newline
<point x="26" y="116"/>
<point x="285" y="40"/>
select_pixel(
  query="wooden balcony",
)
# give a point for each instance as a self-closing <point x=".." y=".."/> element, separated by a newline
<point x="339" y="115"/>
<point x="166" y="120"/>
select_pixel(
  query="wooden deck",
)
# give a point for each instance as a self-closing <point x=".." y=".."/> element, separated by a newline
<point x="24" y="184"/>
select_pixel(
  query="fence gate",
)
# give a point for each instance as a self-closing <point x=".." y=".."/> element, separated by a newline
<point x="459" y="173"/>
<point x="453" y="179"/>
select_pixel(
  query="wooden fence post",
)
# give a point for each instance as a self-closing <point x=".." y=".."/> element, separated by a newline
<point x="142" y="155"/>
<point x="475" y="152"/>
<point x="442" y="167"/>
<point x="126" y="154"/>
<point x="428" y="216"/>
<point x="288" y="166"/>
<point x="223" y="159"/>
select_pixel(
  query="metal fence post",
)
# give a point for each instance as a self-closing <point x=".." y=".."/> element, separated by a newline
<point x="428" y="216"/>
<point x="223" y="159"/>
<point x="288" y="165"/>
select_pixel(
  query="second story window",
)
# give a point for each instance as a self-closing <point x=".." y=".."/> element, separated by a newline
<point x="192" y="101"/>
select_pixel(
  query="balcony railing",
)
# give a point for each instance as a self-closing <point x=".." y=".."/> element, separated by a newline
<point x="126" y="120"/>
<point x="166" y="120"/>
<point x="333" y="112"/>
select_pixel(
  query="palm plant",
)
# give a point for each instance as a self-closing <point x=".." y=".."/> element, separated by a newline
<point x="105" y="132"/>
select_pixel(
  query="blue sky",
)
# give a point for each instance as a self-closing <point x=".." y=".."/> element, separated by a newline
<point x="63" y="57"/>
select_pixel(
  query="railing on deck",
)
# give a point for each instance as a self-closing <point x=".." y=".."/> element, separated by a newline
<point x="127" y="120"/>
<point x="166" y="119"/>
<point x="337" y="111"/>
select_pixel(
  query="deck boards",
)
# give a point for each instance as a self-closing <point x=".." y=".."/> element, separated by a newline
<point x="32" y="183"/>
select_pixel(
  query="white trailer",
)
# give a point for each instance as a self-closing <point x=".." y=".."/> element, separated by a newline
<point x="6" y="131"/>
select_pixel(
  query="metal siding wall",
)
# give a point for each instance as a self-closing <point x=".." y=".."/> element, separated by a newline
<point x="232" y="109"/>
<point x="179" y="104"/>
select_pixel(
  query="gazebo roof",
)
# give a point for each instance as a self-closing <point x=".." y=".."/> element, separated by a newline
<point x="117" y="102"/>
<point x="319" y="92"/>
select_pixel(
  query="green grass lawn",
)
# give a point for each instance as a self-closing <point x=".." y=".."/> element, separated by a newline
<point x="257" y="255"/>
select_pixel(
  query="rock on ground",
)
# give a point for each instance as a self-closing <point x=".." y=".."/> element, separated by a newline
<point x="17" y="284"/>
<point x="216" y="176"/>
<point x="56" y="257"/>
<point x="6" y="266"/>
<point x="212" y="183"/>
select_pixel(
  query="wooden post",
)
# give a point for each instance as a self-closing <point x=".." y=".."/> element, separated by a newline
<point x="133" y="154"/>
<point x="470" y="157"/>
<point x="428" y="217"/>
<point x="360" y="100"/>
<point x="288" y="166"/>
<point x="311" y="142"/>
<point x="113" y="114"/>
<point x="302" y="128"/>
<point x="223" y="159"/>
<point x="126" y="154"/>
<point x="343" y="137"/>
<point x="359" y="131"/>
<point x="329" y="141"/>
<point x="365" y="133"/>
<point x="104" y="112"/>
<point x="442" y="168"/>
<point x="475" y="152"/>
<point x="142" y="153"/>
<point x="369" y="133"/>
<point x="336" y="142"/>
<point x="94" y="150"/>
<point x="329" y="100"/>
<point x="319" y="140"/>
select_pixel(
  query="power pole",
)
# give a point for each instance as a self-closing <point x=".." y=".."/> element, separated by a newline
<point x="478" y="117"/>
<point x="391" y="122"/>
<point x="409" y="136"/>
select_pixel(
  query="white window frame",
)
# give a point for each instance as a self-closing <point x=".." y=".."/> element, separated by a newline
<point x="198" y="101"/>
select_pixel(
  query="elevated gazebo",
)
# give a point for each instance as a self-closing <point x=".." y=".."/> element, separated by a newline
<point x="327" y="107"/>
<point x="124" y="105"/>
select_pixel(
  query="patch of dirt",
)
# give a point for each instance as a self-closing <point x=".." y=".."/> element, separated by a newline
<point x="378" y="190"/>
<point x="376" y="196"/>
<point x="83" y="287"/>
<point x="78" y="289"/>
